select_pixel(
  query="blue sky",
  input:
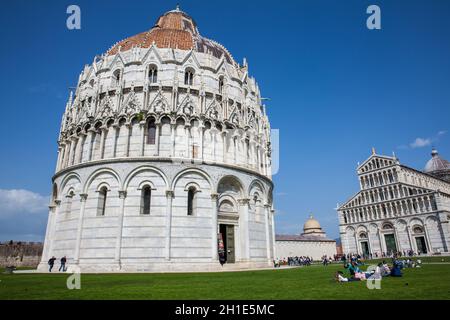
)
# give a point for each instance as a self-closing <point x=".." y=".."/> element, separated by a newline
<point x="336" y="90"/>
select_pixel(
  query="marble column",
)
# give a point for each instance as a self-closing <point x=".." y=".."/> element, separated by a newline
<point x="128" y="129"/>
<point x="202" y="135"/>
<point x="272" y="214"/>
<point x="266" y="223"/>
<point x="427" y="238"/>
<point x="122" y="198"/>
<point x="224" y="145"/>
<point x="411" y="243"/>
<point x="73" y="143"/>
<point x="49" y="234"/>
<point x="213" y="132"/>
<point x="169" y="197"/>
<point x="142" y="128"/>
<point x="104" y="130"/>
<point x="244" y="227"/>
<point x="157" y="136"/>
<point x="382" y="246"/>
<point x="172" y="139"/>
<point x="214" y="231"/>
<point x="90" y="138"/>
<point x="187" y="133"/>
<point x="116" y="138"/>
<point x="83" y="198"/>
<point x="81" y="149"/>
<point x="397" y="240"/>
<point x="235" y="147"/>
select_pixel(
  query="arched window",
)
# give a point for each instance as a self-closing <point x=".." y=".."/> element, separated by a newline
<point x="116" y="77"/>
<point x="151" y="132"/>
<point x="189" y="77"/>
<point x="191" y="201"/>
<point x="221" y="83"/>
<point x="153" y="74"/>
<point x="102" y="195"/>
<point x="146" y="196"/>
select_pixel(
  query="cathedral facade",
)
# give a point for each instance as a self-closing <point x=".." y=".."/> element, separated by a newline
<point x="398" y="208"/>
<point x="164" y="150"/>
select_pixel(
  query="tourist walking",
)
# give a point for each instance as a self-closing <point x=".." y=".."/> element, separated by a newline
<point x="63" y="264"/>
<point x="51" y="262"/>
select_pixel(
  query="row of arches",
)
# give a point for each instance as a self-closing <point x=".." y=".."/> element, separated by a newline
<point x="152" y="77"/>
<point x="377" y="163"/>
<point x="400" y="235"/>
<point x="377" y="179"/>
<point x="146" y="206"/>
<point x="162" y="137"/>
<point x="417" y="205"/>
<point x="385" y="193"/>
<point x="227" y="182"/>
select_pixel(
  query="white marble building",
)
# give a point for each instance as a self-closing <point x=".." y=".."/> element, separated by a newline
<point x="313" y="242"/>
<point x="164" y="146"/>
<point x="398" y="208"/>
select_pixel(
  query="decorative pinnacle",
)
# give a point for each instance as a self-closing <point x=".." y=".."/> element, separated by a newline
<point x="373" y="150"/>
<point x="177" y="7"/>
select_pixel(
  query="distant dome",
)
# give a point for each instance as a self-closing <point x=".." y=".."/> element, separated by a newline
<point x="436" y="163"/>
<point x="438" y="166"/>
<point x="312" y="227"/>
<point x="177" y="30"/>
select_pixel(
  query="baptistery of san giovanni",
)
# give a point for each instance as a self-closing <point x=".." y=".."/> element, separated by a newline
<point x="163" y="152"/>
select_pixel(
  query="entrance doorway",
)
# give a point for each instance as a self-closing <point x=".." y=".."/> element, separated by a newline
<point x="365" y="248"/>
<point x="421" y="245"/>
<point x="390" y="243"/>
<point x="227" y="231"/>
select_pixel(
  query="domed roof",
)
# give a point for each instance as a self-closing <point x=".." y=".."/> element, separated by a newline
<point x="177" y="30"/>
<point x="311" y="223"/>
<point x="436" y="163"/>
<point x="312" y="228"/>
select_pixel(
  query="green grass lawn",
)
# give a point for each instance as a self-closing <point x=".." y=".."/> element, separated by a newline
<point x="315" y="282"/>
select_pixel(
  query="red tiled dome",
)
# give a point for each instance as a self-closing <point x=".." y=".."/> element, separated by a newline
<point x="175" y="29"/>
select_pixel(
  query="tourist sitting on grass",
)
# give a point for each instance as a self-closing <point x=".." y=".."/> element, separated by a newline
<point x="385" y="270"/>
<point x="396" y="269"/>
<point x="339" y="276"/>
<point x="377" y="274"/>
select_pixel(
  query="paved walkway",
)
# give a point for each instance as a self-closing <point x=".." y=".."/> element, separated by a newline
<point x="225" y="269"/>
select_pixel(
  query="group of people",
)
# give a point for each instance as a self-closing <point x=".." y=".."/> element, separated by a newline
<point x="51" y="263"/>
<point x="381" y="270"/>
<point x="327" y="260"/>
<point x="390" y="254"/>
<point x="293" y="261"/>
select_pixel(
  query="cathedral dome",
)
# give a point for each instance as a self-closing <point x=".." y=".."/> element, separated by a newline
<point x="177" y="30"/>
<point x="438" y="166"/>
<point x="312" y="228"/>
<point x="436" y="163"/>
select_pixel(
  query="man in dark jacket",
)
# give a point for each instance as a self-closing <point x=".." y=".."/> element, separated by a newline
<point x="63" y="264"/>
<point x="51" y="262"/>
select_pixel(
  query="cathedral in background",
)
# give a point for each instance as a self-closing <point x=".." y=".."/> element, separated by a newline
<point x="398" y="209"/>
